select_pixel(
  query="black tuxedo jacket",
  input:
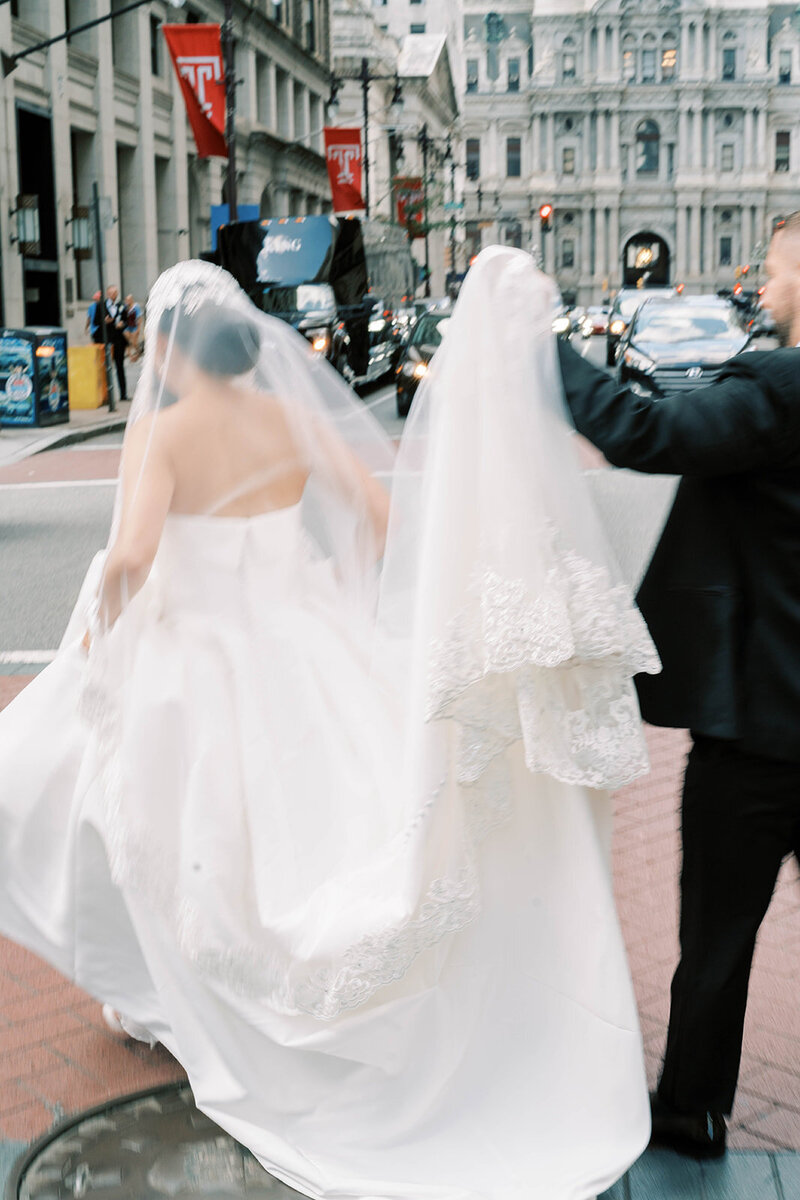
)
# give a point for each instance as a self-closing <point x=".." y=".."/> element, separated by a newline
<point x="722" y="593"/>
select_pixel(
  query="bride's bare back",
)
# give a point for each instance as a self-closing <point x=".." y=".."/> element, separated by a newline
<point x="232" y="453"/>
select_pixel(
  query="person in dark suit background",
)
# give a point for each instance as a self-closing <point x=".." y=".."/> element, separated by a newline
<point x="117" y="323"/>
<point x="721" y="597"/>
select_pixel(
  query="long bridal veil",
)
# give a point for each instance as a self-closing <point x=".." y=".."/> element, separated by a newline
<point x="498" y="618"/>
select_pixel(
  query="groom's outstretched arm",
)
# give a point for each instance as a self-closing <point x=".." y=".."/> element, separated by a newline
<point x="747" y="419"/>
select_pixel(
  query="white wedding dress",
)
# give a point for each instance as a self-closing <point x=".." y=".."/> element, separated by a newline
<point x="207" y="838"/>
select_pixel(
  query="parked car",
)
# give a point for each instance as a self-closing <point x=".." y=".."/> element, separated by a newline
<point x="678" y="343"/>
<point x="595" y="322"/>
<point x="425" y="340"/>
<point x="626" y="302"/>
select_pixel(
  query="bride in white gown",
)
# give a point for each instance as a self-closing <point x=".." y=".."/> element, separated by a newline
<point x="320" y="806"/>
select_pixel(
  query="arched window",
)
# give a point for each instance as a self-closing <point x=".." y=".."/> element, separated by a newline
<point x="629" y="59"/>
<point x="649" y="59"/>
<point x="648" y="140"/>
<point x="669" y="57"/>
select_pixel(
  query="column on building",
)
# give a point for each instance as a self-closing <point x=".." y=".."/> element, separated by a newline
<point x="694" y="245"/>
<point x="587" y="217"/>
<point x="613" y="130"/>
<point x="683" y="139"/>
<point x="682" y="247"/>
<point x="614" y="248"/>
<point x="57" y="73"/>
<point x="180" y="165"/>
<point x="710" y="256"/>
<point x="697" y="153"/>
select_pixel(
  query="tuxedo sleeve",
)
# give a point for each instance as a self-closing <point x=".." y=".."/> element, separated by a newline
<point x="749" y="418"/>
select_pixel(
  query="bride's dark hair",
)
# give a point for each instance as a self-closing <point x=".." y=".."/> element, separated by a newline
<point x="218" y="342"/>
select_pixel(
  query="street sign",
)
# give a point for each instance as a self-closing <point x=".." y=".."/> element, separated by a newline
<point x="451" y="205"/>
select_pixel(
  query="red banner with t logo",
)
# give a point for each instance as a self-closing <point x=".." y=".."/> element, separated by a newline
<point x="344" y="158"/>
<point x="196" y="52"/>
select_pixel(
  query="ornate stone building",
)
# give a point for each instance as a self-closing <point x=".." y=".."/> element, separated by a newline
<point x="665" y="134"/>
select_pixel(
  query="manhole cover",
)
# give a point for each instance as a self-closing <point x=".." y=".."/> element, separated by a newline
<point x="143" y="1148"/>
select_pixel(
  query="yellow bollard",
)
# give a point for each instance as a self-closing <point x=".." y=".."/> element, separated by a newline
<point x="87" y="379"/>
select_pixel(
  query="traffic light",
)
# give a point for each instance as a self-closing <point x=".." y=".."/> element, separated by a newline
<point x="545" y="213"/>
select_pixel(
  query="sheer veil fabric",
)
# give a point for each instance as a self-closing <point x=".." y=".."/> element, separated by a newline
<point x="336" y="829"/>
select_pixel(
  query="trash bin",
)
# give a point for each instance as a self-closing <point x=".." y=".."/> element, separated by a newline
<point x="34" y="384"/>
<point x="88" y="386"/>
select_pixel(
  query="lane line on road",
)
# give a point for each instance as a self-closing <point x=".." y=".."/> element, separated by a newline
<point x="11" y="658"/>
<point x="57" y="483"/>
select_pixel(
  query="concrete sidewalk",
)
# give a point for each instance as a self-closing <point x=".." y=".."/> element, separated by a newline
<point x="16" y="444"/>
<point x="59" y="1059"/>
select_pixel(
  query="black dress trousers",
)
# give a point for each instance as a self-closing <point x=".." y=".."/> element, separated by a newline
<point x="741" y="818"/>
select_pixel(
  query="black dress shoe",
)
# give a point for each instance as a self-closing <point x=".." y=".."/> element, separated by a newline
<point x="698" y="1135"/>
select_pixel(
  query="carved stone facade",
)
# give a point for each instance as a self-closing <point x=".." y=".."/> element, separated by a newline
<point x="672" y="122"/>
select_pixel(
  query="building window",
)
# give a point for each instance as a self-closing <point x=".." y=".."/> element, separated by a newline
<point x="725" y="251"/>
<point x="785" y="66"/>
<point x="648" y="140"/>
<point x="513" y="75"/>
<point x="568" y="68"/>
<point x="155" y="45"/>
<point x="726" y="157"/>
<point x="648" y="65"/>
<point x="629" y="60"/>
<point x="513" y="157"/>
<point x="669" y="60"/>
<point x="729" y="63"/>
<point x="310" y="26"/>
<point x="472" y="74"/>
<point x="473" y="158"/>
<point x="782" y="151"/>
<point x="567" y="253"/>
<point x="513" y="234"/>
<point x="568" y="160"/>
<point x="412" y="1"/>
<point x="417" y="29"/>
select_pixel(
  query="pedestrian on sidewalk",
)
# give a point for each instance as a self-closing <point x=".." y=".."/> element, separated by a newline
<point x="134" y="328"/>
<point x="722" y="600"/>
<point x="116" y="319"/>
<point x="93" y="318"/>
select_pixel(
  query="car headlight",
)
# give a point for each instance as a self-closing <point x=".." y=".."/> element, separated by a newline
<point x="420" y="369"/>
<point x="617" y="327"/>
<point x="561" y="325"/>
<point x="638" y="361"/>
<point x="320" y="339"/>
<point x="408" y="368"/>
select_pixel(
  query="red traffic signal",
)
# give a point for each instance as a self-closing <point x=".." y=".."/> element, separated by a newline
<point x="545" y="213"/>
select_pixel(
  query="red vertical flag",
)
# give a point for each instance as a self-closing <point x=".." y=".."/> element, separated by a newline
<point x="196" y="52"/>
<point x="345" y="160"/>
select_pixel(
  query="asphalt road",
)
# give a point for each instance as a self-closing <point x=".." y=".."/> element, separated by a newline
<point x="53" y="520"/>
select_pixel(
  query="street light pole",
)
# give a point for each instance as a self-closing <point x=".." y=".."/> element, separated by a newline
<point x="102" y="311"/>
<point x="449" y="154"/>
<point x="423" y="141"/>
<point x="230" y="108"/>
<point x="364" y="76"/>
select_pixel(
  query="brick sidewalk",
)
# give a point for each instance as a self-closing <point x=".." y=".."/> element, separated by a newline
<point x="58" y="1058"/>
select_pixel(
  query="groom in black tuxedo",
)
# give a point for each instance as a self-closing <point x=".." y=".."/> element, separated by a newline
<point x="722" y="600"/>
